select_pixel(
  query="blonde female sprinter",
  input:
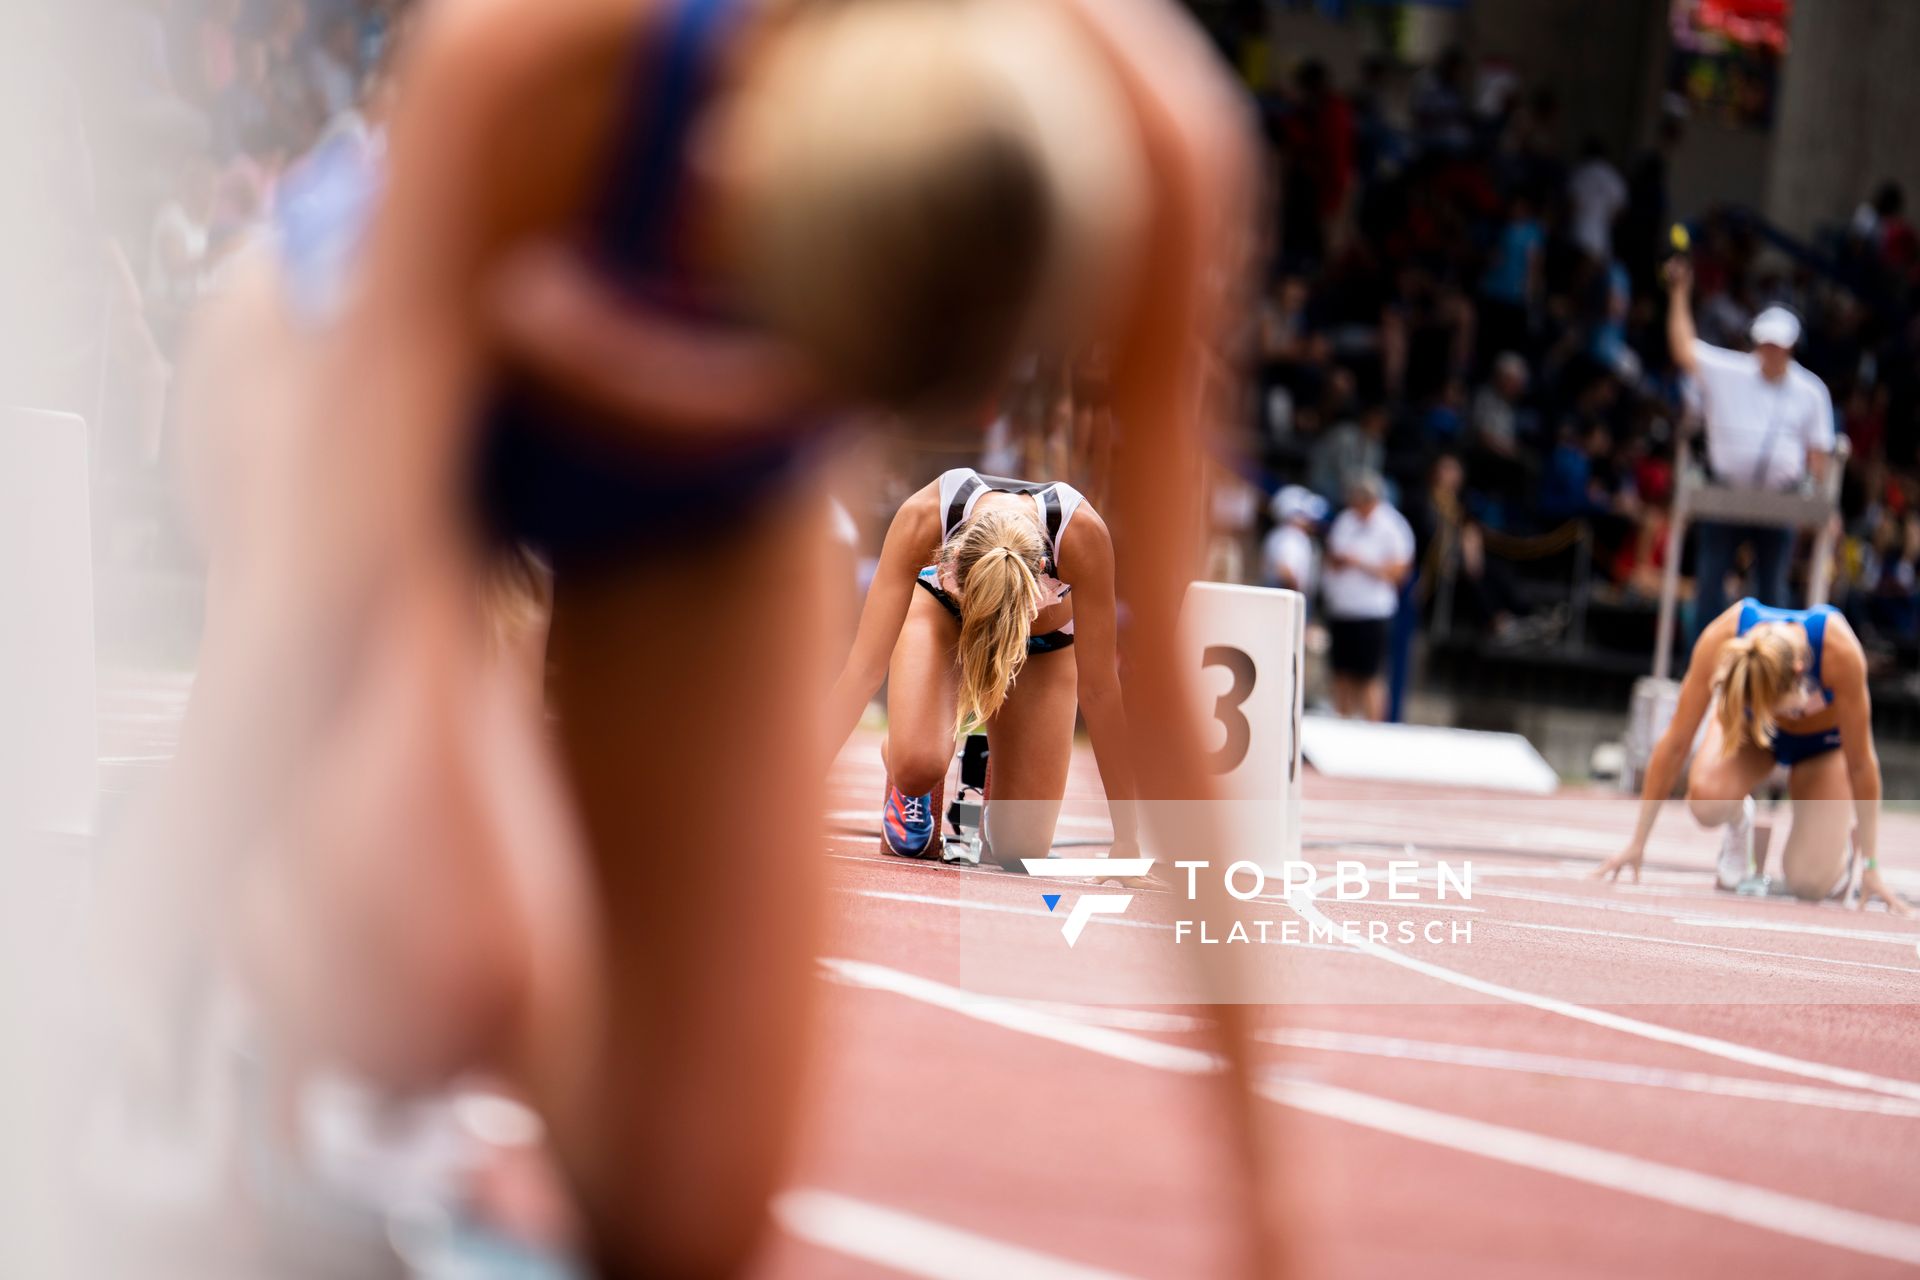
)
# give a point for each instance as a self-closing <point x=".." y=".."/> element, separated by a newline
<point x="992" y="607"/>
<point x="1786" y="687"/>
<point x="889" y="192"/>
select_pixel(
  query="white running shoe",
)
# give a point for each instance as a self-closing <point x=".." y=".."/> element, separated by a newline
<point x="1736" y="849"/>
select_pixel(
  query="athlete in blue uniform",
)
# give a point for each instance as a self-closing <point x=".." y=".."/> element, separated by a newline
<point x="1786" y="687"/>
<point x="623" y="253"/>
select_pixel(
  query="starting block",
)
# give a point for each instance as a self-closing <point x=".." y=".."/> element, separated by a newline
<point x="967" y="816"/>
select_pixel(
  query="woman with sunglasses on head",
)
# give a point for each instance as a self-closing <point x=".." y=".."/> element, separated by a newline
<point x="992" y="609"/>
<point x="1785" y="687"/>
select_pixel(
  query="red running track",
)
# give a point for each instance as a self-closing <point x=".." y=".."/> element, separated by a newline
<point x="1655" y="1080"/>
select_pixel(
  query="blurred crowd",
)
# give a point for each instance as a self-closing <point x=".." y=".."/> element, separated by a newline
<point x="1462" y="299"/>
<point x="1470" y="302"/>
<point x="177" y="122"/>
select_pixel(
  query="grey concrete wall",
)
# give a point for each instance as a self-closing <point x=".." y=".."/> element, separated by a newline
<point x="1593" y="52"/>
<point x="1296" y="37"/>
<point x="1717" y="164"/>
<point x="1849" y="112"/>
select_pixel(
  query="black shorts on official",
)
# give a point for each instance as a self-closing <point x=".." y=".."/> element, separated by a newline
<point x="1358" y="645"/>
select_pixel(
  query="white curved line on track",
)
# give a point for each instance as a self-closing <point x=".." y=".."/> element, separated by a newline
<point x="1680" y="915"/>
<point x="1766" y="1060"/>
<point x="1533" y="926"/>
<point x="913" y="1245"/>
<point x="1570" y="1068"/>
<point x="1009" y="909"/>
<point x="1740" y="1202"/>
<point x="998" y="908"/>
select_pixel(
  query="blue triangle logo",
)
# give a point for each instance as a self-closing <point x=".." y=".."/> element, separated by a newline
<point x="1051" y="899"/>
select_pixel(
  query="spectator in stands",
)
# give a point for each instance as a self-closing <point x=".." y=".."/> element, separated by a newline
<point x="1380" y="148"/>
<point x="1439" y="326"/>
<point x="1290" y="557"/>
<point x="1495" y="420"/>
<point x="1769" y="425"/>
<point x="217" y="46"/>
<point x="333" y="64"/>
<point x="1348" y="451"/>
<point x="1318" y="151"/>
<point x="1641" y="560"/>
<point x="179" y="244"/>
<point x="1510" y="291"/>
<point x="245" y="109"/>
<point x="1499" y="427"/>
<point x="1866" y="425"/>
<point x="1575" y="486"/>
<point x="1530" y="159"/>
<point x="286" y="32"/>
<point x="1293" y="359"/>
<point x="1369" y="555"/>
<point x="1440" y="104"/>
<point x="1893" y="608"/>
<point x="1882" y="225"/>
<point x="1597" y="194"/>
<point x="1610" y="306"/>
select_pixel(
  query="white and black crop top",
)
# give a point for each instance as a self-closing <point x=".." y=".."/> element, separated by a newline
<point x="1054" y="502"/>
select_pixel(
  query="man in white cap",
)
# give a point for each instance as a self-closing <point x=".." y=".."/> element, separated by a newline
<point x="1769" y="426"/>
<point x="1290" y="557"/>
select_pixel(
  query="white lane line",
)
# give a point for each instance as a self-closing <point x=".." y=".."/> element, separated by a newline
<point x="1908" y="969"/>
<point x="913" y="1245"/>
<point x="1846" y="1077"/>
<point x="1121" y="1017"/>
<point x="1004" y="908"/>
<point x="1546" y="1064"/>
<point x="1088" y="868"/>
<point x="1777" y="926"/>
<point x="1678" y="915"/>
<point x="1775" y="1211"/>
<point x="1106" y="1041"/>
<point x="999" y="908"/>
<point x="1650" y="1180"/>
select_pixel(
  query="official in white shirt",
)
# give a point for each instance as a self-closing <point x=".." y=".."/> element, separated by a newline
<point x="1769" y="426"/>
<point x="1369" y="554"/>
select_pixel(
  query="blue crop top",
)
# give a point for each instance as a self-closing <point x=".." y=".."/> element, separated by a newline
<point x="1814" y="620"/>
<point x="546" y="473"/>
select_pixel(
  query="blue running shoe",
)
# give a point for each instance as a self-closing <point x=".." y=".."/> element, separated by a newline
<point x="907" y="826"/>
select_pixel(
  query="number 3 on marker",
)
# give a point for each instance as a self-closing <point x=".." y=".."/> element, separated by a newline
<point x="1226" y="708"/>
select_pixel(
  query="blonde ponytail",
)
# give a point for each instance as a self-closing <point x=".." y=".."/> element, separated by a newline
<point x="996" y="562"/>
<point x="1755" y="672"/>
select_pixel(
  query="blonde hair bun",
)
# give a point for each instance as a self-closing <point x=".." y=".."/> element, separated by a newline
<point x="920" y="180"/>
